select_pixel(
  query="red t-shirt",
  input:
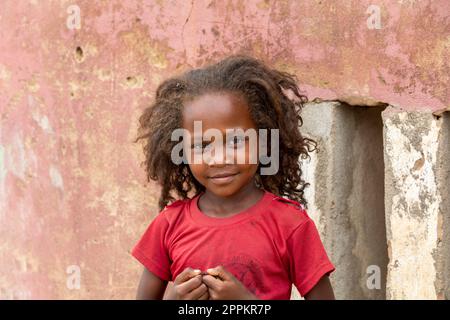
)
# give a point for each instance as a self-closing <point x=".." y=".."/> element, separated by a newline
<point x="268" y="247"/>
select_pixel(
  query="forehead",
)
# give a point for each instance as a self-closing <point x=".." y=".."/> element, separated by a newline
<point x="220" y="110"/>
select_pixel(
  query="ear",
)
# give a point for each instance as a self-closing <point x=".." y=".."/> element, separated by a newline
<point x="183" y="157"/>
<point x="258" y="180"/>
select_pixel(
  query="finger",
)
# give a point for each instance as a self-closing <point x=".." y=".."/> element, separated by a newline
<point x="186" y="274"/>
<point x="212" y="294"/>
<point x="211" y="282"/>
<point x="205" y="296"/>
<point x="197" y="292"/>
<point x="189" y="285"/>
<point x="220" y="272"/>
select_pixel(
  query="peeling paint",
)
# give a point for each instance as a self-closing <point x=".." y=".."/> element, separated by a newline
<point x="2" y="165"/>
<point x="3" y="172"/>
<point x="56" y="178"/>
<point x="16" y="160"/>
<point x="42" y="121"/>
<point x="134" y="82"/>
<point x="71" y="99"/>
<point x="415" y="201"/>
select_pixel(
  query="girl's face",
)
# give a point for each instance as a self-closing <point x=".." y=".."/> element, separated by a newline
<point x="218" y="174"/>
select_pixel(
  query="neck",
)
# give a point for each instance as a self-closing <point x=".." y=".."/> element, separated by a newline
<point x="214" y="205"/>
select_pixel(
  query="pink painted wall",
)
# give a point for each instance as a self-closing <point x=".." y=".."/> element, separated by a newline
<point x="71" y="189"/>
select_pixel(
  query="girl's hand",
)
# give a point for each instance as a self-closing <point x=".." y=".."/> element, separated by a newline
<point x="222" y="285"/>
<point x="188" y="285"/>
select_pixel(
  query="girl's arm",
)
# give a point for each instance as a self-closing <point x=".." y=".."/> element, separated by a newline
<point x="151" y="287"/>
<point x="321" y="291"/>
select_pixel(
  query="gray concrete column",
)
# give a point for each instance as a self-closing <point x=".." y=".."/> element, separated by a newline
<point x="416" y="153"/>
<point x="346" y="196"/>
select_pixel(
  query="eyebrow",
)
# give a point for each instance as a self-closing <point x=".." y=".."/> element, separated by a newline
<point x="222" y="131"/>
<point x="206" y="142"/>
<point x="203" y="143"/>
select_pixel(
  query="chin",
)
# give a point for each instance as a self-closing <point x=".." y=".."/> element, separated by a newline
<point x="224" y="191"/>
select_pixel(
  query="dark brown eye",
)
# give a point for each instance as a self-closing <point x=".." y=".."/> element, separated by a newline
<point x="198" y="147"/>
<point x="237" y="141"/>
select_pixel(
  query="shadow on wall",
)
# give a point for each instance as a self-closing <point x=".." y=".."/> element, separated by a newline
<point x="346" y="195"/>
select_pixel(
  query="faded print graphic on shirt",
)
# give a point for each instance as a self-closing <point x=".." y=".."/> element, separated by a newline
<point x="248" y="271"/>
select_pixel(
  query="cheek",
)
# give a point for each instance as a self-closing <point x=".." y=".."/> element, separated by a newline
<point x="253" y="169"/>
<point x="249" y="153"/>
<point x="197" y="170"/>
<point x="248" y="169"/>
<point x="251" y="160"/>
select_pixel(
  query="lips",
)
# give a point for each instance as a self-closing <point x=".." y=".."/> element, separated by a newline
<point x="223" y="178"/>
<point x="223" y="175"/>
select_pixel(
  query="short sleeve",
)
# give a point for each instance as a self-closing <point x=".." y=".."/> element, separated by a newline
<point x="151" y="249"/>
<point x="307" y="257"/>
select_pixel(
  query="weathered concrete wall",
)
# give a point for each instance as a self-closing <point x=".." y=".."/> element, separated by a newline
<point x="380" y="196"/>
<point x="71" y="189"/>
<point x="416" y="180"/>
<point x="347" y="193"/>
<point x="442" y="255"/>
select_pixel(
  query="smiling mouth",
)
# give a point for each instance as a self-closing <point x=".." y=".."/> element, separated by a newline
<point x="223" y="178"/>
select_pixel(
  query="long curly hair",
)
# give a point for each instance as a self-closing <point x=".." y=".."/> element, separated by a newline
<point x="267" y="93"/>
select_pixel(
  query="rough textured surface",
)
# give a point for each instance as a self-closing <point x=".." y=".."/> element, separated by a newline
<point x="442" y="255"/>
<point x="346" y="193"/>
<point x="413" y="201"/>
<point x="71" y="190"/>
<point x="351" y="190"/>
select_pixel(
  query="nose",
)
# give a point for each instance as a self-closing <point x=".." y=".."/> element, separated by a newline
<point x="217" y="156"/>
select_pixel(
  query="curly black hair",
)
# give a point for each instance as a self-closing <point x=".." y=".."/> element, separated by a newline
<point x="267" y="93"/>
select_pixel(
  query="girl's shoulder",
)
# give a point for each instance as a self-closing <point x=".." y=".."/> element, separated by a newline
<point x="287" y="213"/>
<point x="175" y="204"/>
<point x="175" y="209"/>
<point x="297" y="205"/>
<point x="288" y="204"/>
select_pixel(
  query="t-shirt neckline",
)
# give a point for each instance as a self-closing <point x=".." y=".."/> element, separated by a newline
<point x="203" y="219"/>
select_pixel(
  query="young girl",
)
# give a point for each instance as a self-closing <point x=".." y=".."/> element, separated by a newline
<point x="230" y="234"/>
